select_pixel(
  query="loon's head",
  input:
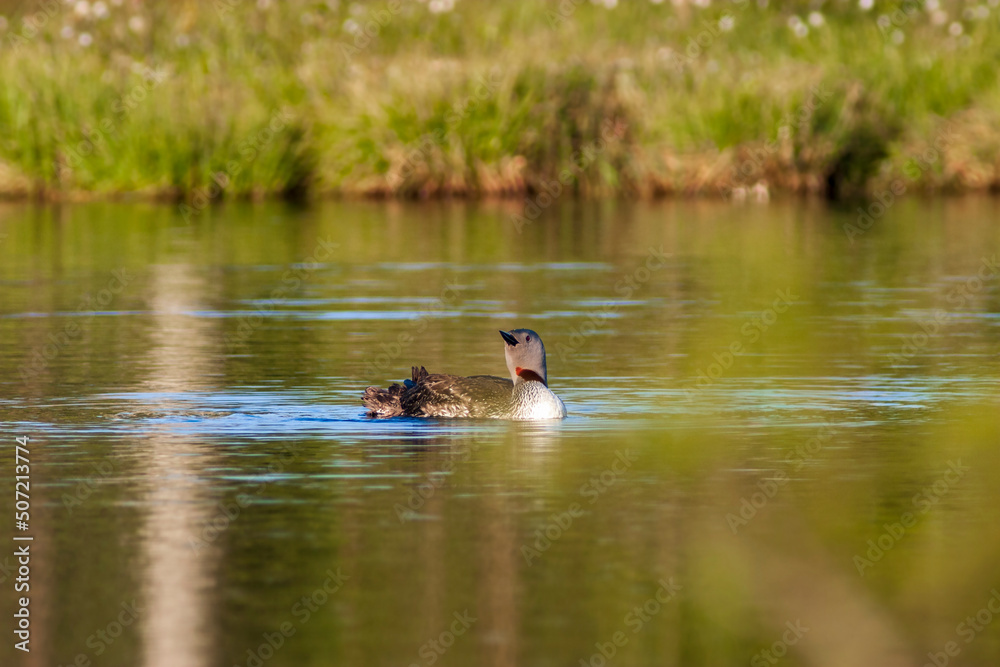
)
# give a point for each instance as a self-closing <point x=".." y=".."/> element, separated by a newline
<point x="525" y="356"/>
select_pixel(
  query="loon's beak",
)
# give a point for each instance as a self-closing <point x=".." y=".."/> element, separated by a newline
<point x="508" y="338"/>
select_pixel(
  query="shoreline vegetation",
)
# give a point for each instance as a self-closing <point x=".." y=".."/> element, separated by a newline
<point x="198" y="101"/>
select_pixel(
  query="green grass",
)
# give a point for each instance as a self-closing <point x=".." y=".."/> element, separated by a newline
<point x="398" y="114"/>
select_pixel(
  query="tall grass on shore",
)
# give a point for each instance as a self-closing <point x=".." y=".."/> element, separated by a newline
<point x="469" y="97"/>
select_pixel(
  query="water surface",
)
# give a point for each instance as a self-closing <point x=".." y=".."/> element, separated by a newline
<point x="782" y="442"/>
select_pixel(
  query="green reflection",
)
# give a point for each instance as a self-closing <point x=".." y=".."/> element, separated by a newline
<point x="201" y="450"/>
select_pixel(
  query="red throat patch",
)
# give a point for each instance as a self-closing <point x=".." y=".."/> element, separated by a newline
<point x="529" y="375"/>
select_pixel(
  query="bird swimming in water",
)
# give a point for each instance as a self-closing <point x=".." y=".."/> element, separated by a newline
<point x="525" y="395"/>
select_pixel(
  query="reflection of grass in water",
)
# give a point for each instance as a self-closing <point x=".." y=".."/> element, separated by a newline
<point x="692" y="115"/>
<point x="665" y="517"/>
<point x="794" y="559"/>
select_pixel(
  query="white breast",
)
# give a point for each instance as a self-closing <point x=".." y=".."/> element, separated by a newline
<point x="533" y="400"/>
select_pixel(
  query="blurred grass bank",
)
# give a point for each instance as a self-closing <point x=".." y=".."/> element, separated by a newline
<point x="241" y="98"/>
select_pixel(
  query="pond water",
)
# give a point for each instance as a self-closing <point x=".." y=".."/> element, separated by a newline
<point x="781" y="447"/>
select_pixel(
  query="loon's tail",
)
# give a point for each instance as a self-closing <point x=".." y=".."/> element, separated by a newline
<point x="386" y="402"/>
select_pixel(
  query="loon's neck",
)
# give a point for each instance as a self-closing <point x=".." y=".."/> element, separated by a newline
<point x="523" y="375"/>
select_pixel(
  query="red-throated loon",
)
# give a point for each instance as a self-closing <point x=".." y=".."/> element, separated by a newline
<point x="525" y="396"/>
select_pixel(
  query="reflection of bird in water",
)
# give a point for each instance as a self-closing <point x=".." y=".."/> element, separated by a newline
<point x="525" y="396"/>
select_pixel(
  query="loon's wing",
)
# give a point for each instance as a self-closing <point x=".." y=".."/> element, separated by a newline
<point x="440" y="395"/>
